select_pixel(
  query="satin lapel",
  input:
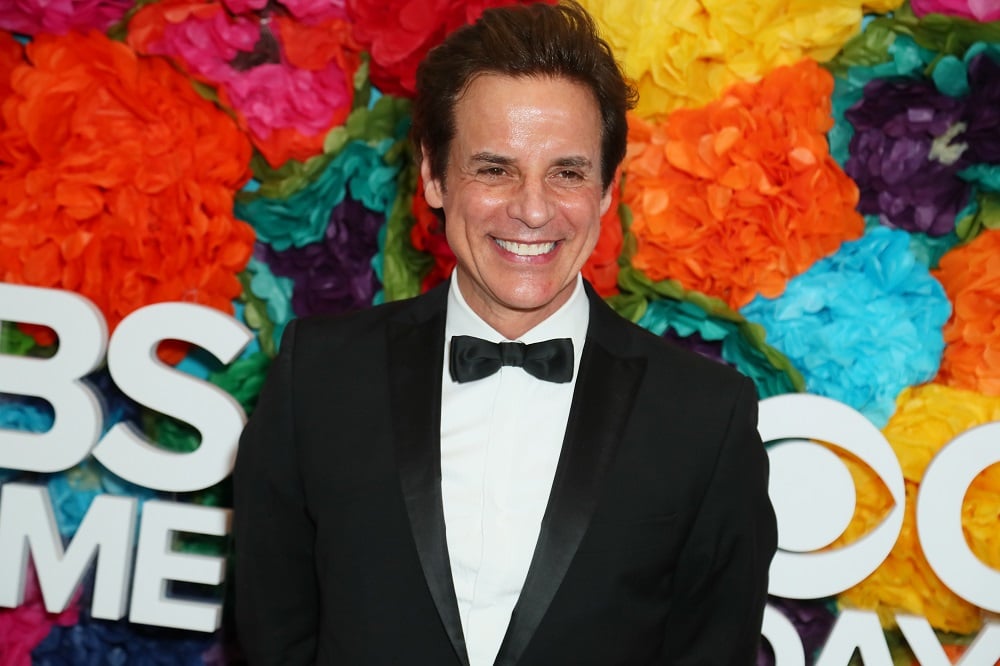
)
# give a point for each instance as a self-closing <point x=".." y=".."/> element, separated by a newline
<point x="415" y="354"/>
<point x="601" y="404"/>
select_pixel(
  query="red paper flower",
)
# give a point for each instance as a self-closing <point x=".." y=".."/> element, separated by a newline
<point x="117" y="180"/>
<point x="970" y="275"/>
<point x="398" y="35"/>
<point x="11" y="55"/>
<point x="601" y="269"/>
<point x="735" y="198"/>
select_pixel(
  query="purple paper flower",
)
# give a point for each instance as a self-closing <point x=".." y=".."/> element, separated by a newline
<point x="710" y="349"/>
<point x="334" y="274"/>
<point x="813" y="621"/>
<point x="982" y="115"/>
<point x="906" y="154"/>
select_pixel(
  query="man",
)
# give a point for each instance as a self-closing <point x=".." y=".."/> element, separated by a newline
<point x="408" y="494"/>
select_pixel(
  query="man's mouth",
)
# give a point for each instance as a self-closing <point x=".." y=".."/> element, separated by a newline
<point x="526" y="249"/>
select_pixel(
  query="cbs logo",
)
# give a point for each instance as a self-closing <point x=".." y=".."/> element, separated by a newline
<point x="814" y="499"/>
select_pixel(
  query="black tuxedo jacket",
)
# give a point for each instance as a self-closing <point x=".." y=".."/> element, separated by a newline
<point x="654" y="546"/>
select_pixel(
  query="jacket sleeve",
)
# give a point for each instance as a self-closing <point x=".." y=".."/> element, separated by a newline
<point x="276" y="593"/>
<point x="720" y="588"/>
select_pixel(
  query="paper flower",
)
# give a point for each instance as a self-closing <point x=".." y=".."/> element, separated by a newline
<point x="905" y="156"/>
<point x="289" y="81"/>
<point x="301" y="218"/>
<point x="737" y="197"/>
<point x="33" y="17"/>
<point x="718" y="339"/>
<point x="399" y="35"/>
<point x="308" y="11"/>
<point x="117" y="180"/>
<point x="685" y="54"/>
<point x="71" y="493"/>
<point x="11" y="55"/>
<point x="977" y="10"/>
<point x="981" y="117"/>
<point x="25" y="413"/>
<point x="927" y="418"/>
<point x="813" y="621"/>
<point x="601" y="267"/>
<point x="24" y="627"/>
<point x="93" y="641"/>
<point x="862" y="324"/>
<point x="970" y="275"/>
<point x="268" y="304"/>
<point x="243" y="379"/>
<point x="427" y="235"/>
<point x="335" y="274"/>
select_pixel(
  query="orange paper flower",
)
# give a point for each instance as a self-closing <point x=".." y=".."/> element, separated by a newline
<point x="970" y="275"/>
<point x="735" y="198"/>
<point x="601" y="268"/>
<point x="117" y="180"/>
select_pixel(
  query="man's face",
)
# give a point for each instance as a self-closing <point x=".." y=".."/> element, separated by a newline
<point x="521" y="195"/>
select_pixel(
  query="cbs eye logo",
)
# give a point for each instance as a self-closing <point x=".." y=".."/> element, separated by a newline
<point x="814" y="498"/>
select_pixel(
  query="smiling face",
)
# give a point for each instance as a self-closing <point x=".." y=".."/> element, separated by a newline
<point x="521" y="195"/>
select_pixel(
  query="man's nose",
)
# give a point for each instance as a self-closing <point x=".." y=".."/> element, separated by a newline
<point x="531" y="203"/>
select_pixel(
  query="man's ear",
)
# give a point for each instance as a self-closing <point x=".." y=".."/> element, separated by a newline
<point x="433" y="191"/>
<point x="607" y="197"/>
<point x="606" y="200"/>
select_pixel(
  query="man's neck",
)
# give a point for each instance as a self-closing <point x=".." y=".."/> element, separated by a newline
<point x="509" y="322"/>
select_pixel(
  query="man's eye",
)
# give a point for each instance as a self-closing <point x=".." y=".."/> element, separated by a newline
<point x="493" y="172"/>
<point x="569" y="174"/>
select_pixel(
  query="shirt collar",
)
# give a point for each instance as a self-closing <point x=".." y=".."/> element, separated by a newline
<point x="569" y="321"/>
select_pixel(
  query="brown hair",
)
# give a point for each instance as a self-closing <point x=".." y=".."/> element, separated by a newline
<point x="521" y="40"/>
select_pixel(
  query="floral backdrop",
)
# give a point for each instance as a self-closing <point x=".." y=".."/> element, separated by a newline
<point x="810" y="195"/>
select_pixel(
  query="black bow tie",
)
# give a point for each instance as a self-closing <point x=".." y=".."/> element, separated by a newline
<point x="473" y="358"/>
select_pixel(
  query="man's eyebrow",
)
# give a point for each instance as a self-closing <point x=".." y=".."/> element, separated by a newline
<point x="491" y="158"/>
<point x="578" y="162"/>
<point x="573" y="161"/>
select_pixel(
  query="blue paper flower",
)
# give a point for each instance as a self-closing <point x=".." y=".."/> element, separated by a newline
<point x="26" y="414"/>
<point x="862" y="324"/>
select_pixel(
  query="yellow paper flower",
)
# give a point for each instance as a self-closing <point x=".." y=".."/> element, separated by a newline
<point x="684" y="53"/>
<point x="926" y="418"/>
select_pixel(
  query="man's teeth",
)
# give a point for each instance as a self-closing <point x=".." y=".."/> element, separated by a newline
<point x="526" y="249"/>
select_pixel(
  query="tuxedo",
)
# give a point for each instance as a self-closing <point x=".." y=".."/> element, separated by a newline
<point x="654" y="546"/>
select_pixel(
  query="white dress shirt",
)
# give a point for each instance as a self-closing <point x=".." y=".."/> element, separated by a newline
<point x="500" y="442"/>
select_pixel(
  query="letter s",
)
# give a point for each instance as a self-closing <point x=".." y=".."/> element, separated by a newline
<point x="213" y="412"/>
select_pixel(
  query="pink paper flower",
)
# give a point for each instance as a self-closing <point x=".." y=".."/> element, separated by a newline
<point x="310" y="11"/>
<point x="24" y="627"/>
<point x="289" y="80"/>
<point x="31" y="17"/>
<point x="977" y="10"/>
